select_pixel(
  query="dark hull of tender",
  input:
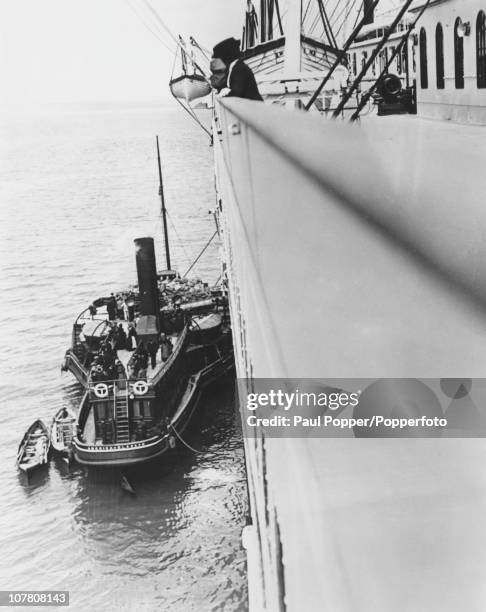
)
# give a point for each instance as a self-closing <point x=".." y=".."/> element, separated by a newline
<point x="73" y="365"/>
<point x="138" y="452"/>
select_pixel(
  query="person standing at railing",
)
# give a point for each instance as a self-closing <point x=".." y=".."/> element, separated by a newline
<point x="144" y="357"/>
<point x="165" y="348"/>
<point x="121" y="338"/>
<point x="130" y="302"/>
<point x="126" y="312"/>
<point x="238" y="80"/>
<point x="119" y="305"/>
<point x="132" y="338"/>
<point x="152" y="350"/>
<point x="111" y="307"/>
<point x="178" y="318"/>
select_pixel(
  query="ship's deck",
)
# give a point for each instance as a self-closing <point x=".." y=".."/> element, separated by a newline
<point x="125" y="355"/>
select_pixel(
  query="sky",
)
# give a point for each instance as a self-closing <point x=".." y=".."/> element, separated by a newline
<point x="100" y="50"/>
<point x="103" y="50"/>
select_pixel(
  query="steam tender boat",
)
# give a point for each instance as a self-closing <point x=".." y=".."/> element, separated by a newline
<point x="144" y="355"/>
<point x="144" y="361"/>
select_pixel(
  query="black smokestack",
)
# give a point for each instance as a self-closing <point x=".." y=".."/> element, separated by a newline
<point x="368" y="11"/>
<point x="147" y="276"/>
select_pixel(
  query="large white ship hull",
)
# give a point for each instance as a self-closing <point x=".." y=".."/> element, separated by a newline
<point x="338" y="267"/>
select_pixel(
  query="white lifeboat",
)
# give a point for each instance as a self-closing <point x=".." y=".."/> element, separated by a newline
<point x="189" y="87"/>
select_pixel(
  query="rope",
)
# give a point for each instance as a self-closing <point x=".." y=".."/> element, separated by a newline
<point x="174" y="63"/>
<point x="149" y="28"/>
<point x="181" y="242"/>
<point x="198" y="452"/>
<point x="314" y="25"/>
<point x="346" y="17"/>
<point x="192" y="114"/>
<point x="159" y="20"/>
<point x="327" y="24"/>
<point x="203" y="51"/>
<point x="177" y="41"/>
<point x="200" y="254"/>
<point x="218" y="280"/>
<point x="306" y="10"/>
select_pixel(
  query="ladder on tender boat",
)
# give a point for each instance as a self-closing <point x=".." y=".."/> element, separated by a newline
<point x="120" y="400"/>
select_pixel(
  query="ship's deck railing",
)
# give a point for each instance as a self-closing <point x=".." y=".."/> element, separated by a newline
<point x="181" y="342"/>
<point x="110" y="448"/>
<point x="108" y="387"/>
<point x="77" y="365"/>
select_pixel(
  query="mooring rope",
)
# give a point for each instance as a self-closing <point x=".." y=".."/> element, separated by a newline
<point x="198" y="452"/>
<point x="200" y="255"/>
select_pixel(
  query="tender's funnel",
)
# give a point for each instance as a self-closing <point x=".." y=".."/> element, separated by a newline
<point x="147" y="277"/>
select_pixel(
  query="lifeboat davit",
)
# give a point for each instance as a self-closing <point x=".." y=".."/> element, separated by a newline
<point x="189" y="87"/>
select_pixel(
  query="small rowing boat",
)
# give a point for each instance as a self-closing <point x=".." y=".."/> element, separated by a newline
<point x="63" y="429"/>
<point x="34" y="449"/>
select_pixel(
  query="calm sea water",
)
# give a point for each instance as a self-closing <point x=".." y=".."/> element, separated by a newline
<point x="77" y="186"/>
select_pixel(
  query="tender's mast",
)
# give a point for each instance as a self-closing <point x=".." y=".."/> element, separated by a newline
<point x="163" y="210"/>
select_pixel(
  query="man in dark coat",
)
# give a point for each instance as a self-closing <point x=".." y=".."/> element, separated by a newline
<point x="111" y="307"/>
<point x="240" y="79"/>
<point x="152" y="351"/>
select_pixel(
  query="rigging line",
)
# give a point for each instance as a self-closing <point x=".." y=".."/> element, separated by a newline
<point x="358" y="14"/>
<point x="200" y="254"/>
<point x="376" y="51"/>
<point x="159" y="19"/>
<point x="336" y="18"/>
<point x="346" y="17"/>
<point x="204" y="51"/>
<point x="403" y="43"/>
<point x="173" y="64"/>
<point x="277" y="7"/>
<point x="317" y="21"/>
<point x="193" y="115"/>
<point x="306" y="10"/>
<point x="346" y="10"/>
<point x="143" y="21"/>
<point x="327" y="23"/>
<point x="367" y="96"/>
<point x="334" y="9"/>
<point x="205" y="61"/>
<point x="174" y="38"/>
<point x="340" y="57"/>
<point x="190" y="56"/>
<point x="324" y="23"/>
<point x="217" y="280"/>
<point x="314" y="25"/>
<point x="181" y="242"/>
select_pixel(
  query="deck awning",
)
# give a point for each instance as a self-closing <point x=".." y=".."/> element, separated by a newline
<point x="95" y="328"/>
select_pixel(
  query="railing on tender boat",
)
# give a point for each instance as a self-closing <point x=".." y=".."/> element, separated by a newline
<point x="173" y="356"/>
